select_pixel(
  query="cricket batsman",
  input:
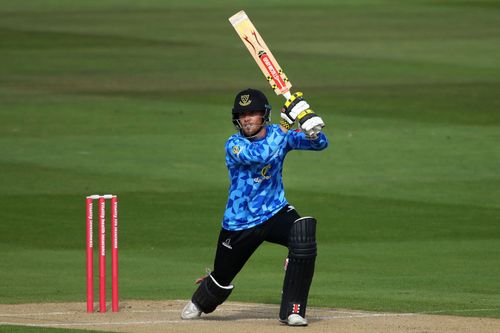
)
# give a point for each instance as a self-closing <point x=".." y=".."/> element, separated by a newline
<point x="257" y="209"/>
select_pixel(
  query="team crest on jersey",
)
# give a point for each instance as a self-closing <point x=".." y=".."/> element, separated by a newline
<point x="245" y="100"/>
<point x="236" y="150"/>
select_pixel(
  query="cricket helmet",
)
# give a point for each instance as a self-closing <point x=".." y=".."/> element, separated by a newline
<point x="250" y="100"/>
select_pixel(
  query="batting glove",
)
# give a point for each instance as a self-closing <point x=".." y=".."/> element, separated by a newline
<point x="310" y="123"/>
<point x="292" y="109"/>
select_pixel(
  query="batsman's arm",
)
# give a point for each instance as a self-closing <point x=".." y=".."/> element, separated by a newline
<point x="243" y="152"/>
<point x="299" y="141"/>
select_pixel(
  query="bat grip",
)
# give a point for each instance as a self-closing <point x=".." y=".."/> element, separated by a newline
<point x="287" y="95"/>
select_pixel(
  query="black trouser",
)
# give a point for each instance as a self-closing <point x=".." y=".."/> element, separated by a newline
<point x="234" y="248"/>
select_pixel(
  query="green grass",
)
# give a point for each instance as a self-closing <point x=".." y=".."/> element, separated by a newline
<point x="134" y="99"/>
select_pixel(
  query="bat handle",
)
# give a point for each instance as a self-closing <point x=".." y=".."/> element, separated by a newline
<point x="287" y="95"/>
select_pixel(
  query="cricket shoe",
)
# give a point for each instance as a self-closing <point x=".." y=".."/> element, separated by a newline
<point x="190" y="311"/>
<point x="296" y="320"/>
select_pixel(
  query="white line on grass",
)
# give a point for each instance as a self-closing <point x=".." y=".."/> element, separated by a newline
<point x="150" y="322"/>
<point x="462" y="310"/>
<point x="144" y="322"/>
<point x="38" y="314"/>
<point x="75" y="312"/>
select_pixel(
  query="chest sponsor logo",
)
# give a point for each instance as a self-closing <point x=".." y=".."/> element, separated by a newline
<point x="263" y="173"/>
<point x="265" y="169"/>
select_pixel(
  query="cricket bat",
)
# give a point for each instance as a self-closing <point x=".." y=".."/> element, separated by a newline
<point x="261" y="53"/>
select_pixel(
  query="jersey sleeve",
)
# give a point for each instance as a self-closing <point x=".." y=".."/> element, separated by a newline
<point x="298" y="140"/>
<point x="241" y="151"/>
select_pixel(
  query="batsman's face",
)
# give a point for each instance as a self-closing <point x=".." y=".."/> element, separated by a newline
<point x="251" y="122"/>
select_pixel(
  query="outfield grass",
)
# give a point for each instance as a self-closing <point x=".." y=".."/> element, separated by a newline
<point x="134" y="99"/>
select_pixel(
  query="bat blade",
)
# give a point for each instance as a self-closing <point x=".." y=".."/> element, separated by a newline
<point x="261" y="53"/>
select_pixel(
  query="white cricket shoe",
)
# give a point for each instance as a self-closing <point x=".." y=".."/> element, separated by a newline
<point x="296" y="320"/>
<point x="190" y="311"/>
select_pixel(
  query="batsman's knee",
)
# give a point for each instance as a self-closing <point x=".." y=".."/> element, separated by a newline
<point x="302" y="239"/>
<point x="210" y="294"/>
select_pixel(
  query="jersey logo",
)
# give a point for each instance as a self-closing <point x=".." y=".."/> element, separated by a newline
<point x="227" y="243"/>
<point x="263" y="173"/>
<point x="236" y="150"/>
<point x="265" y="169"/>
<point x="245" y="100"/>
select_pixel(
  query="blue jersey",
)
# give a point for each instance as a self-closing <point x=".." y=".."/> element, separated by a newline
<point x="255" y="169"/>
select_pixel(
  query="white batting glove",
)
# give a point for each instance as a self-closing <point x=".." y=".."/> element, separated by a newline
<point x="311" y="124"/>
<point x="292" y="108"/>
